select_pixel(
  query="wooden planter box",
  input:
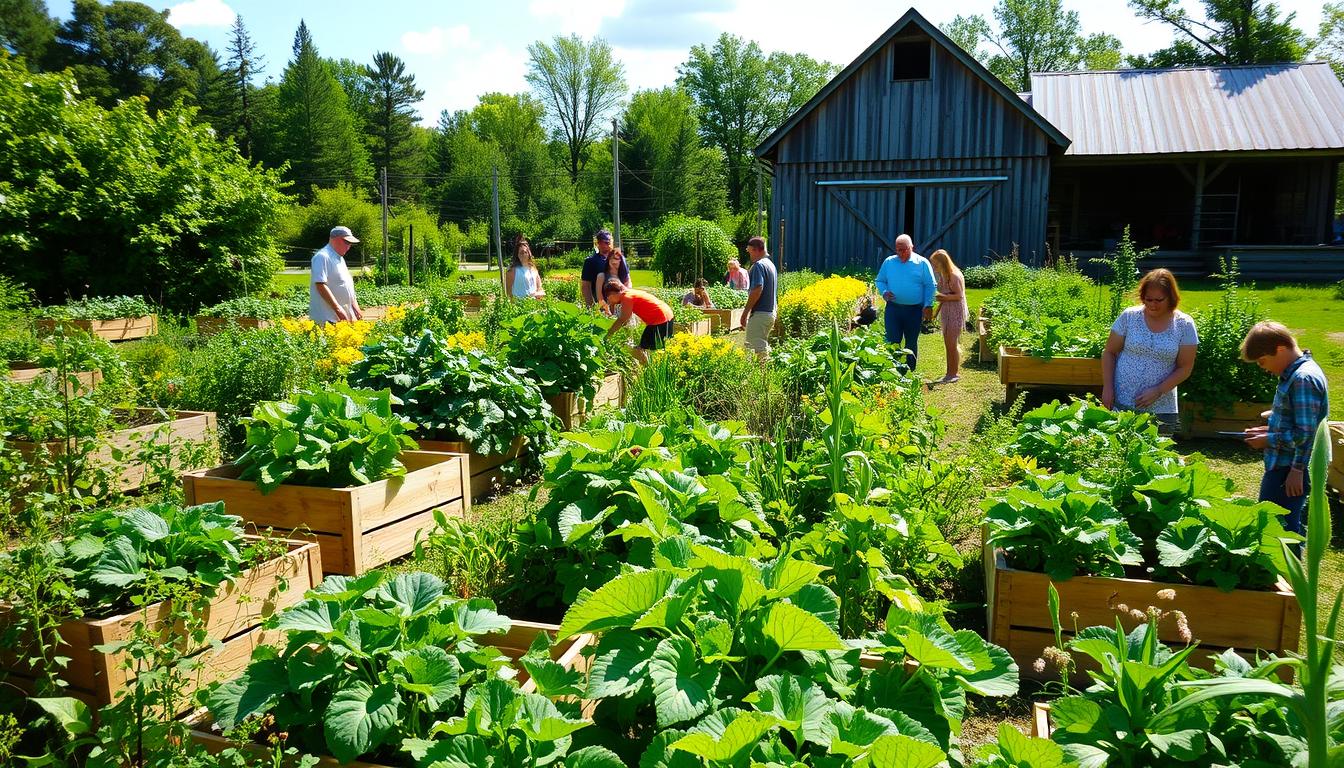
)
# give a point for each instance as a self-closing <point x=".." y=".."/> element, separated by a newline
<point x="514" y="644"/>
<point x="1195" y="422"/>
<point x="209" y="326"/>
<point x="1040" y="720"/>
<point x="574" y="411"/>
<point x="469" y="300"/>
<point x="117" y="329"/>
<point x="27" y="372"/>
<point x="486" y="472"/>
<point x="983" y="351"/>
<point x="1018" y="371"/>
<point x="184" y="427"/>
<point x="1244" y="620"/>
<point x="724" y="320"/>
<point x="699" y="328"/>
<point x="358" y="528"/>
<point x="234" y="618"/>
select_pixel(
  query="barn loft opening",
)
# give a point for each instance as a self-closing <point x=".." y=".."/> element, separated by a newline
<point x="911" y="60"/>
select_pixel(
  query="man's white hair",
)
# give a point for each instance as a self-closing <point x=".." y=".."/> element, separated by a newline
<point x="905" y="239"/>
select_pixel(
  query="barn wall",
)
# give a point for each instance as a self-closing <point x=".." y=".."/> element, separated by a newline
<point x="952" y="125"/>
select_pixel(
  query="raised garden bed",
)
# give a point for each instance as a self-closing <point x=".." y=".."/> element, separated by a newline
<point x="698" y="328"/>
<point x="1040" y="720"/>
<point x="724" y="320"/>
<point x="514" y="643"/>
<point x="983" y="351"/>
<point x="26" y="372"/>
<point x="1243" y="620"/>
<point x="1019" y="371"/>
<point x="574" y="411"/>
<point x="182" y="427"/>
<point x="469" y="300"/>
<point x="116" y="329"/>
<point x="209" y="326"/>
<point x="234" y="618"/>
<point x="358" y="528"/>
<point x="1196" y="421"/>
<point x="486" y="472"/>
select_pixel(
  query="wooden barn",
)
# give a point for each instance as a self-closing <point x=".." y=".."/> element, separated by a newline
<point x="917" y="136"/>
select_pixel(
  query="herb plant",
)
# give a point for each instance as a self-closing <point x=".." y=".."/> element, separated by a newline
<point x="1048" y="313"/>
<point x="333" y="438"/>
<point x="456" y="394"/>
<point x="558" y="345"/>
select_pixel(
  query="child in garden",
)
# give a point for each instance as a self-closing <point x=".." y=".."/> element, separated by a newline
<point x="1301" y="402"/>
<point x="653" y="311"/>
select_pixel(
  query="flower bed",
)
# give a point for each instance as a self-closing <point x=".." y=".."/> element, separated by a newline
<point x="118" y="449"/>
<point x="233" y="618"/>
<point x="808" y="310"/>
<point x="359" y="527"/>
<point x="1246" y="621"/>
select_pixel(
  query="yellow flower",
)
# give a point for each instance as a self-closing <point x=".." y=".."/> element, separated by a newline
<point x="466" y="340"/>
<point x="395" y="313"/>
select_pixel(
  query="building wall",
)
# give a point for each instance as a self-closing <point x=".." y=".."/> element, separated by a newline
<point x="951" y="125"/>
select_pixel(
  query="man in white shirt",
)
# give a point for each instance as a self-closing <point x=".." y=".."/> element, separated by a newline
<point x="331" y="289"/>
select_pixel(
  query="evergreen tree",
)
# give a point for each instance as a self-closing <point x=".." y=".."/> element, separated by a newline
<point x="391" y="124"/>
<point x="318" y="135"/>
<point x="26" y="30"/>
<point x="243" y="63"/>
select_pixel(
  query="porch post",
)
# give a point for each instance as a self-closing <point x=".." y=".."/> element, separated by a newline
<point x="1199" y="206"/>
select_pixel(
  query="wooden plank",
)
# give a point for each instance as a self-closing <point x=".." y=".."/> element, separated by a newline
<point x="209" y="326"/>
<point x="1040" y="720"/>
<point x="487" y="471"/>
<point x="397" y="539"/>
<point x="87" y="381"/>
<point x="1238" y="417"/>
<point x="117" y="329"/>
<point x="698" y="328"/>
<point x="723" y="320"/>
<point x="1019" y="370"/>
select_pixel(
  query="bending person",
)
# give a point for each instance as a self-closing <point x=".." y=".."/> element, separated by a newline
<point x="651" y="310"/>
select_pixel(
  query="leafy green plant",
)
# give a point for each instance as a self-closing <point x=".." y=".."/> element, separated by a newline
<point x="258" y="308"/>
<point x="1229" y="544"/>
<point x="1124" y="269"/>
<point x="558" y="345"/>
<point x="334" y="439"/>
<point x="1047" y="313"/>
<point x="97" y="308"/>
<point x="381" y="665"/>
<point x="612" y="495"/>
<point x="1012" y="749"/>
<point x="1061" y="526"/>
<point x="455" y="394"/>
<point x="804" y="362"/>
<point x="1221" y="378"/>
<point x="677" y="242"/>
<point x="372" y="295"/>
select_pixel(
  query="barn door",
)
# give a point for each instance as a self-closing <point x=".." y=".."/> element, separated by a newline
<point x="862" y="224"/>
<point x="864" y="217"/>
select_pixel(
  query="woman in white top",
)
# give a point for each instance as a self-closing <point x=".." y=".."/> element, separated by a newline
<point x="1150" y="351"/>
<point x="523" y="278"/>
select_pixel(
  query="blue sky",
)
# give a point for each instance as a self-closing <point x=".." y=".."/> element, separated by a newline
<point x="459" y="50"/>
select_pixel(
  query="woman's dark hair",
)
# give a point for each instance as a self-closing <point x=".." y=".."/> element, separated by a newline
<point x="701" y="283"/>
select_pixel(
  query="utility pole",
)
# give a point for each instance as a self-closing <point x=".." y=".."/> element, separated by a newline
<point x="760" y="203"/>
<point x="499" y="239"/>
<point x="781" y="245"/>
<point x="616" y="182"/>
<point x="382" y="188"/>
<point x="410" y="254"/>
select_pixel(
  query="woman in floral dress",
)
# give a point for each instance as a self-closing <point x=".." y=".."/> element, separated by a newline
<point x="952" y="311"/>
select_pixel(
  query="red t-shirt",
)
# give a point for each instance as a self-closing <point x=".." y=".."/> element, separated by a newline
<point x="647" y="307"/>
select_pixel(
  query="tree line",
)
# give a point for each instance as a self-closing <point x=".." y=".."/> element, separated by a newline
<point x="338" y="124"/>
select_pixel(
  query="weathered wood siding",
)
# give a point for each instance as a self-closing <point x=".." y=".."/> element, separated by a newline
<point x="952" y="125"/>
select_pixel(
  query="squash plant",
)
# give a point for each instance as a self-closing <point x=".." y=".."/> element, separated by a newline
<point x="456" y="394"/>
<point x="559" y="347"/>
<point x="333" y="438"/>
<point x="729" y="659"/>
<point x="612" y="495"/>
<point x="394" y="669"/>
<point x="1229" y="544"/>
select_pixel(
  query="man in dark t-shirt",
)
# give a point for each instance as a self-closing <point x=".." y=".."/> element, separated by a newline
<point x="593" y="266"/>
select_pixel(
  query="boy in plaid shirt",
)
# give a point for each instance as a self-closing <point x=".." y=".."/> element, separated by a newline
<point x="1301" y="403"/>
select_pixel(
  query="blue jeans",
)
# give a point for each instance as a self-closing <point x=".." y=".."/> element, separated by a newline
<point x="904" y="321"/>
<point x="1271" y="489"/>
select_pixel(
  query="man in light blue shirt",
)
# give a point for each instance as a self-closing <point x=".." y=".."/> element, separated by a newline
<point x="906" y="282"/>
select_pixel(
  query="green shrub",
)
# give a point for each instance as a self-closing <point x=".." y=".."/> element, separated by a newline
<point x="1049" y="313"/>
<point x="120" y="201"/>
<point x="674" y="248"/>
<point x="990" y="275"/>
<point x="1220" y="378"/>
<point x="258" y="308"/>
<point x="794" y="280"/>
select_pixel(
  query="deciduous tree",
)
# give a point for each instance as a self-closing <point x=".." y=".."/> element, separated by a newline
<point x="26" y="30"/>
<point x="1032" y="36"/>
<point x="581" y="84"/>
<point x="1231" y="32"/>
<point x="668" y="169"/>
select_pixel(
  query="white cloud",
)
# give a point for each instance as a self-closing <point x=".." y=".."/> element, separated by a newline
<point x="436" y="40"/>
<point x="460" y="79"/>
<point x="581" y="17"/>
<point x="201" y="13"/>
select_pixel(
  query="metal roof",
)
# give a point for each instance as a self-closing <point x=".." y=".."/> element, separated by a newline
<point x="1196" y="109"/>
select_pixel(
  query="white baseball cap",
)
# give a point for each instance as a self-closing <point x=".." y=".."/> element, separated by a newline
<point x="345" y="234"/>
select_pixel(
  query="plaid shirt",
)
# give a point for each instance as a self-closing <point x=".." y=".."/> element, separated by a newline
<point x="1300" y="403"/>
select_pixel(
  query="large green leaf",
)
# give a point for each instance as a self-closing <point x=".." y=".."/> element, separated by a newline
<point x="904" y="752"/>
<point x="478" y="616"/>
<point x="72" y="715"/>
<point x="551" y="677"/>
<point x="119" y="565"/>
<point x="853" y="730"/>
<point x="726" y="735"/>
<point x="786" y="575"/>
<point x="413" y="593"/>
<point x="1022" y="751"/>
<point x="311" y="615"/>
<point x="682" y="686"/>
<point x="618" y="603"/>
<point x="433" y="673"/>
<point x="798" y="704"/>
<point x="593" y="757"/>
<point x="359" y="717"/>
<point x="620" y="664"/>
<point x="791" y="628"/>
<point x="542" y="721"/>
<point x="251" y="693"/>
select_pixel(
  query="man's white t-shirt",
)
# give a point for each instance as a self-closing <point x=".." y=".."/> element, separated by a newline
<point x="329" y="267"/>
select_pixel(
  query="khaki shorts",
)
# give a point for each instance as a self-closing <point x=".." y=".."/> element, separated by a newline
<point x="758" y="332"/>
